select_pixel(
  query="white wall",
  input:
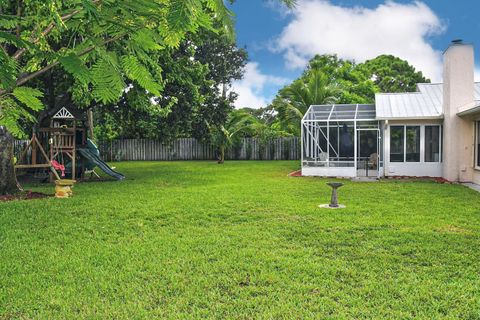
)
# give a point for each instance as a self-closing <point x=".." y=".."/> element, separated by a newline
<point x="346" y="172"/>
<point x="411" y="169"/>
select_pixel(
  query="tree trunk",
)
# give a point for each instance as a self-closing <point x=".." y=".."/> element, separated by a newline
<point x="91" y="135"/>
<point x="221" y="158"/>
<point x="8" y="183"/>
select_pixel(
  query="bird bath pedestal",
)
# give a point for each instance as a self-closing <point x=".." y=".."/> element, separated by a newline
<point x="334" y="200"/>
<point x="63" y="188"/>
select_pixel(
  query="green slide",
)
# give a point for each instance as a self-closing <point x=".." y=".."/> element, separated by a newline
<point x="92" y="156"/>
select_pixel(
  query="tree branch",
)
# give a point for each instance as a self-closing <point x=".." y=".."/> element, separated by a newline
<point x="35" y="74"/>
<point x="19" y="15"/>
<point x="17" y="55"/>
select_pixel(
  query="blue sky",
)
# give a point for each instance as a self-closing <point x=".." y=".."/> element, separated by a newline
<point x="280" y="41"/>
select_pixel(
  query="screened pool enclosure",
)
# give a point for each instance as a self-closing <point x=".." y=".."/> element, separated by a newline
<point x="342" y="141"/>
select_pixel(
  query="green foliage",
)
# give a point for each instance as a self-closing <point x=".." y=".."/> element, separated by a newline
<point x="108" y="83"/>
<point x="192" y="97"/>
<point x="29" y="97"/>
<point x="392" y="74"/>
<point x="314" y="88"/>
<point x="85" y="37"/>
<point x="9" y="70"/>
<point x="109" y="128"/>
<point x="137" y="72"/>
<point x="6" y="37"/>
<point x="265" y="127"/>
<point x="354" y="85"/>
<point x="74" y="65"/>
<point x="8" y="21"/>
<point x="147" y="40"/>
<point x="239" y="123"/>
<point x="11" y="114"/>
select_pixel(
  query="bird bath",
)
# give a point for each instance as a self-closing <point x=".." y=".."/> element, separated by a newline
<point x="334" y="199"/>
<point x="63" y="188"/>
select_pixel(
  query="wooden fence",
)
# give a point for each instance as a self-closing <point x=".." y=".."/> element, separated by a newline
<point x="18" y="146"/>
<point x="190" y="149"/>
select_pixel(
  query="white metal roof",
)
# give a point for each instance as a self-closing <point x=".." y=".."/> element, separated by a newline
<point x="427" y="103"/>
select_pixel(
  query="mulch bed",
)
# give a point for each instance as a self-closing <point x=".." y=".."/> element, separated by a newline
<point x="405" y="178"/>
<point x="28" y="195"/>
<point x="297" y="173"/>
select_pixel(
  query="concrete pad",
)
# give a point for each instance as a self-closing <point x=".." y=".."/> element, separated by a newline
<point x="327" y="206"/>
<point x="365" y="179"/>
<point x="472" y="186"/>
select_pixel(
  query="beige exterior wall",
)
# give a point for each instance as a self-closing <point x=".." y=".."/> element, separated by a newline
<point x="458" y="92"/>
<point x="476" y="170"/>
<point x="475" y="177"/>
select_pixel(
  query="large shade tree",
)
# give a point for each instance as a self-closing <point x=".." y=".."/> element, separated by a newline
<point x="193" y="98"/>
<point x="355" y="85"/>
<point x="77" y="35"/>
<point x="392" y="74"/>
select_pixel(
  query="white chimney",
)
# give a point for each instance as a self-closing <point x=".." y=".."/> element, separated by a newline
<point x="458" y="92"/>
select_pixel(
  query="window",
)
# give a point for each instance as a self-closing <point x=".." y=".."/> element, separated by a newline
<point x="418" y="143"/>
<point x="413" y="144"/>
<point x="397" y="143"/>
<point x="432" y="144"/>
<point x="477" y="145"/>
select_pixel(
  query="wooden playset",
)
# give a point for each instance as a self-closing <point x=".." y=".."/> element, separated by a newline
<point x="60" y="146"/>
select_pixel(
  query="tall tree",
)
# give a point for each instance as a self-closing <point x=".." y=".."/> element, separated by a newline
<point x="239" y="123"/>
<point x="225" y="62"/>
<point x="392" y="74"/>
<point x="356" y="86"/>
<point x="293" y="101"/>
<point x="192" y="98"/>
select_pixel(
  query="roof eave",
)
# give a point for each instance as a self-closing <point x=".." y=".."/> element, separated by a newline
<point x="412" y="118"/>
<point x="469" y="112"/>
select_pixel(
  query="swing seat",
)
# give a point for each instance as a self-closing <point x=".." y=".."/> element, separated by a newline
<point x="57" y="166"/>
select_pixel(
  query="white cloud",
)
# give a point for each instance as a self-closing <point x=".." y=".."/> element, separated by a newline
<point x="359" y="33"/>
<point x="250" y="88"/>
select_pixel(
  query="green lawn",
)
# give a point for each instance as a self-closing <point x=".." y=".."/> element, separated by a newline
<point x="241" y="240"/>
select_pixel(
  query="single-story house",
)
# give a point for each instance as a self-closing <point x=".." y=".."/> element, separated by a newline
<point x="434" y="132"/>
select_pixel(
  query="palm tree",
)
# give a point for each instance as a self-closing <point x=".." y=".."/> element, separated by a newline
<point x="238" y="123"/>
<point x="294" y="100"/>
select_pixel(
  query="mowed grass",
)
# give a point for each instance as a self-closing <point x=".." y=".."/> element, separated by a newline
<point x="241" y="241"/>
